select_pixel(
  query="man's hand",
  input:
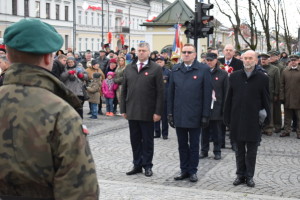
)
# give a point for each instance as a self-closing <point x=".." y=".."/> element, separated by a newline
<point x="124" y="115"/>
<point x="204" y="122"/>
<point x="156" y="117"/>
<point x="171" y="121"/>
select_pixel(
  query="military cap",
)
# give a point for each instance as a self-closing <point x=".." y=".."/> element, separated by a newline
<point x="203" y="55"/>
<point x="33" y="36"/>
<point x="94" y="62"/>
<point x="102" y="50"/>
<point x="106" y="45"/>
<point x="211" y="56"/>
<point x="160" y="58"/>
<point x="125" y="47"/>
<point x="264" y="55"/>
<point x="294" y="56"/>
<point x="164" y="51"/>
<point x="237" y="53"/>
<point x="274" y="53"/>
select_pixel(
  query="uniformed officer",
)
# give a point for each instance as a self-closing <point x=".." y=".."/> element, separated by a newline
<point x="164" y="130"/>
<point x="189" y="101"/>
<point x="214" y="130"/>
<point x="43" y="146"/>
<point x="274" y="85"/>
<point x="277" y="118"/>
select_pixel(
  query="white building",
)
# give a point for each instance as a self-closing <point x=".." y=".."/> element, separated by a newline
<point x="120" y="17"/>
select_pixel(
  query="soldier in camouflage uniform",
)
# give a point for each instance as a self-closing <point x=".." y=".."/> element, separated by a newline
<point x="274" y="60"/>
<point x="274" y="86"/>
<point x="44" y="152"/>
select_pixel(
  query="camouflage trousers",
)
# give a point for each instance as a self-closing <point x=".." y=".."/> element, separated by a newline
<point x="288" y="116"/>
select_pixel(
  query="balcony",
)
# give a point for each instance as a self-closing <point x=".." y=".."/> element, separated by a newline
<point x="122" y="29"/>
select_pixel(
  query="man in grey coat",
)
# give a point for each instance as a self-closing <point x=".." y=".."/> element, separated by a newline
<point x="142" y="98"/>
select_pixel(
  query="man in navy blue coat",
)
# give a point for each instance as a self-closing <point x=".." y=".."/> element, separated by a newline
<point x="189" y="101"/>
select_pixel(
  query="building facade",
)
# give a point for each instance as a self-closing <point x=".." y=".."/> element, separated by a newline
<point x="93" y="20"/>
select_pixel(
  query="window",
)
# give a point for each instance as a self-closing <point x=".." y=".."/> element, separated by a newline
<point x="126" y="21"/>
<point x="37" y="9"/>
<point x="79" y="17"/>
<point x="86" y="18"/>
<point x="14" y="7"/>
<point x="26" y="8"/>
<point x="133" y="22"/>
<point x="98" y="19"/>
<point x="92" y="19"/>
<point x="92" y="44"/>
<point x="86" y="43"/>
<point x="47" y="10"/>
<point x="66" y="41"/>
<point x="79" y="44"/>
<point x="57" y="12"/>
<point x="66" y="13"/>
<point x="98" y="44"/>
<point x="110" y="20"/>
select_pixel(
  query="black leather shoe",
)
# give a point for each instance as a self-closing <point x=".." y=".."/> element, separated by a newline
<point x="181" y="176"/>
<point x="135" y="170"/>
<point x="203" y="155"/>
<point x="165" y="137"/>
<point x="156" y="136"/>
<point x="217" y="157"/>
<point x="148" y="172"/>
<point x="193" y="178"/>
<point x="250" y="182"/>
<point x="239" y="181"/>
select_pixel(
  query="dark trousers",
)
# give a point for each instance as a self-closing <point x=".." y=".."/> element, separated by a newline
<point x="80" y="110"/>
<point x="100" y="106"/>
<point x="142" y="142"/>
<point x="246" y="158"/>
<point x="223" y="135"/>
<point x="164" y="123"/>
<point x="288" y="116"/>
<point x="115" y="102"/>
<point x="188" y="146"/>
<point x="213" y="130"/>
<point x="94" y="109"/>
<point x="277" y="118"/>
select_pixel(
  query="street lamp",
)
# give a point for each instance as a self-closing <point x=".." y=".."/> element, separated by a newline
<point x="74" y="25"/>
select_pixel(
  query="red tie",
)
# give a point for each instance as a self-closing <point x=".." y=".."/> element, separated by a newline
<point x="141" y="66"/>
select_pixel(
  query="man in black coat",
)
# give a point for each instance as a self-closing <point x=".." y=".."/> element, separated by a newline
<point x="229" y="58"/>
<point x="189" y="100"/>
<point x="246" y="109"/>
<point x="59" y="65"/>
<point x="220" y="86"/>
<point x="142" y="98"/>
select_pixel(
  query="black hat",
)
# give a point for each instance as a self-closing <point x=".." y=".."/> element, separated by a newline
<point x="94" y="62"/>
<point x="264" y="55"/>
<point x="156" y="52"/>
<point x="160" y="58"/>
<point x="132" y="49"/>
<point x="96" y="75"/>
<point x="106" y="45"/>
<point x="125" y="47"/>
<point x="211" y="56"/>
<point x="111" y="51"/>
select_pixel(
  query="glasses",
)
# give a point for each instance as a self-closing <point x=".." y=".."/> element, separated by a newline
<point x="188" y="52"/>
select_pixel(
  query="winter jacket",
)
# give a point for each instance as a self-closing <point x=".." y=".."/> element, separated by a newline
<point x="109" y="92"/>
<point x="93" y="90"/>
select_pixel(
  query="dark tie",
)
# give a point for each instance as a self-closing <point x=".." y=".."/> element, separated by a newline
<point x="227" y="62"/>
<point x="188" y="67"/>
<point x="141" y="66"/>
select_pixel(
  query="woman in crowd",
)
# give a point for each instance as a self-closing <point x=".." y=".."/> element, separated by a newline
<point x="119" y="76"/>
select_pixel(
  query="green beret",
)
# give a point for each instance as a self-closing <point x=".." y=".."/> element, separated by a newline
<point x="33" y="36"/>
<point x="264" y="55"/>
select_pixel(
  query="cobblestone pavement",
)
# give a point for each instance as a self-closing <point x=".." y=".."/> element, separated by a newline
<point x="277" y="174"/>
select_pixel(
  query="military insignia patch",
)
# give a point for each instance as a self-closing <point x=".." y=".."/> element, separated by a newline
<point x="146" y="74"/>
<point x="217" y="78"/>
<point x="85" y="130"/>
<point x="195" y="77"/>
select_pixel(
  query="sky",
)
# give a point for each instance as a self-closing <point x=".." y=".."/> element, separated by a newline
<point x="293" y="15"/>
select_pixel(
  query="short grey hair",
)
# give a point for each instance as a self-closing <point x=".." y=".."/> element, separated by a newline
<point x="144" y="44"/>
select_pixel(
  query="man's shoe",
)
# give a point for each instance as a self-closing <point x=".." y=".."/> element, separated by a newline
<point x="203" y="155"/>
<point x="298" y="136"/>
<point x="181" y="176"/>
<point x="93" y="117"/>
<point x="193" y="178"/>
<point x="239" y="181"/>
<point x="156" y="136"/>
<point x="250" y="182"/>
<point x="277" y="130"/>
<point x="284" y="134"/>
<point x="217" y="157"/>
<point x="165" y="137"/>
<point x="89" y="113"/>
<point x="135" y="170"/>
<point x="148" y="172"/>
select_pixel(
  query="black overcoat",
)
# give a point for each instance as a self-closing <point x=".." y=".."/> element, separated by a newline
<point x="190" y="94"/>
<point x="245" y="98"/>
<point x="235" y="63"/>
<point x="142" y="92"/>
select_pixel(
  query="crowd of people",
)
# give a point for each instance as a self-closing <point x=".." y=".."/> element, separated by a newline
<point x="242" y="92"/>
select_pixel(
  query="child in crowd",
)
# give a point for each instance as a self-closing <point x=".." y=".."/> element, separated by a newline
<point x="94" y="93"/>
<point x="109" y="89"/>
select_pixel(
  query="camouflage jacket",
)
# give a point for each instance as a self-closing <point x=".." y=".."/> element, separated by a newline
<point x="44" y="152"/>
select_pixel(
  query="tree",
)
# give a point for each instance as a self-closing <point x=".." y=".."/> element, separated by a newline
<point x="287" y="36"/>
<point x="276" y="11"/>
<point x="236" y="27"/>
